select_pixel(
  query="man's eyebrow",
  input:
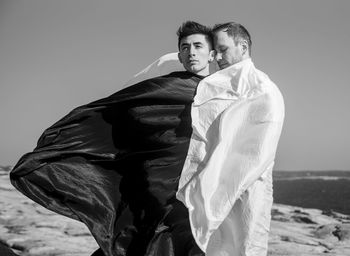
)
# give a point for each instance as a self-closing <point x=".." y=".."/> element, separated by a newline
<point x="184" y="44"/>
<point x="221" y="48"/>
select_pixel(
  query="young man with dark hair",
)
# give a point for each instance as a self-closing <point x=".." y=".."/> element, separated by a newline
<point x="190" y="28"/>
<point x="194" y="43"/>
<point x="115" y="163"/>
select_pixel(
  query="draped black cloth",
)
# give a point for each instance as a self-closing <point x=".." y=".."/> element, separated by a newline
<point x="6" y="251"/>
<point x="114" y="164"/>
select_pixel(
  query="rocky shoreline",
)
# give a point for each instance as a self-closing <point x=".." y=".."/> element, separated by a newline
<point x="31" y="230"/>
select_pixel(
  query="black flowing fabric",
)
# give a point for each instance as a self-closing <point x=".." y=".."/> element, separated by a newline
<point x="6" y="251"/>
<point x="114" y="164"/>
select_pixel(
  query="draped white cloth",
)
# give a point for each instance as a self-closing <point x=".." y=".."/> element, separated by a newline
<point x="226" y="182"/>
<point x="164" y="65"/>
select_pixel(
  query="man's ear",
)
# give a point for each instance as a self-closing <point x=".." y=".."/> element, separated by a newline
<point x="211" y="56"/>
<point x="179" y="57"/>
<point x="244" y="46"/>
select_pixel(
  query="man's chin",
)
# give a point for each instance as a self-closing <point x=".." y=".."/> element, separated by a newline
<point x="223" y="66"/>
<point x="193" y="69"/>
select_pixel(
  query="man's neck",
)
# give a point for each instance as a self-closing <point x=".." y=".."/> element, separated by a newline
<point x="245" y="57"/>
<point x="197" y="75"/>
<point x="203" y="73"/>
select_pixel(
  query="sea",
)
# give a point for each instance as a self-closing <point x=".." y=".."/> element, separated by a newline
<point x="325" y="190"/>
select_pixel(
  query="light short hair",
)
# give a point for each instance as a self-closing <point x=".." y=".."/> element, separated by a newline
<point x="235" y="30"/>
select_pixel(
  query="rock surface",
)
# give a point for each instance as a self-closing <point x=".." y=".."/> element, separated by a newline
<point x="300" y="231"/>
<point x="31" y="230"/>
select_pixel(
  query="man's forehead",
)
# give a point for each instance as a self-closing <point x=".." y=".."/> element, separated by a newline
<point x="194" y="38"/>
<point x="221" y="34"/>
<point x="221" y="37"/>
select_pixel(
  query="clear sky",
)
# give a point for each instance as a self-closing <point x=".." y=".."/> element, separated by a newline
<point x="57" y="55"/>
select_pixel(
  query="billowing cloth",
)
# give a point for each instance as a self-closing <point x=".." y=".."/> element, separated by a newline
<point x="226" y="182"/>
<point x="6" y="251"/>
<point x="115" y="163"/>
<point x="166" y="64"/>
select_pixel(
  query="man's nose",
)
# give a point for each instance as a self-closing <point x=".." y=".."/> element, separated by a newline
<point x="218" y="56"/>
<point x="192" y="51"/>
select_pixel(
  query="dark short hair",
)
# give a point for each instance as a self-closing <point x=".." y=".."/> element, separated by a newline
<point x="190" y="27"/>
<point x="235" y="30"/>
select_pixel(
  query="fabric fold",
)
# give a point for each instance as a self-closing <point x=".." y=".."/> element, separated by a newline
<point x="237" y="117"/>
<point x="114" y="164"/>
<point x="89" y="165"/>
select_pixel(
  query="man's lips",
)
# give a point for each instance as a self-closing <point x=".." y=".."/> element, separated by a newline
<point x="192" y="61"/>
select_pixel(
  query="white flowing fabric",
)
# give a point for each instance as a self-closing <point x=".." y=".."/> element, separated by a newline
<point x="226" y="181"/>
<point x="164" y="65"/>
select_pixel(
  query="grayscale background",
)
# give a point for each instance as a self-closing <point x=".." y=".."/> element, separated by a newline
<point x="57" y="55"/>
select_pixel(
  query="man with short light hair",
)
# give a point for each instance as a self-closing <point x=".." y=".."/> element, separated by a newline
<point x="226" y="182"/>
<point x="232" y="43"/>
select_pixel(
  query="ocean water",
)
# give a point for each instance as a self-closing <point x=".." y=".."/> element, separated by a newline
<point x="325" y="190"/>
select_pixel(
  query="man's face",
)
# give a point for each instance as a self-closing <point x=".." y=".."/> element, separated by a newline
<point x="227" y="52"/>
<point x="195" y="54"/>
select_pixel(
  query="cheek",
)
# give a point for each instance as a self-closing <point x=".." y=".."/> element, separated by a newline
<point x="237" y="53"/>
<point x="226" y="56"/>
<point x="204" y="55"/>
<point x="231" y="55"/>
<point x="182" y="56"/>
